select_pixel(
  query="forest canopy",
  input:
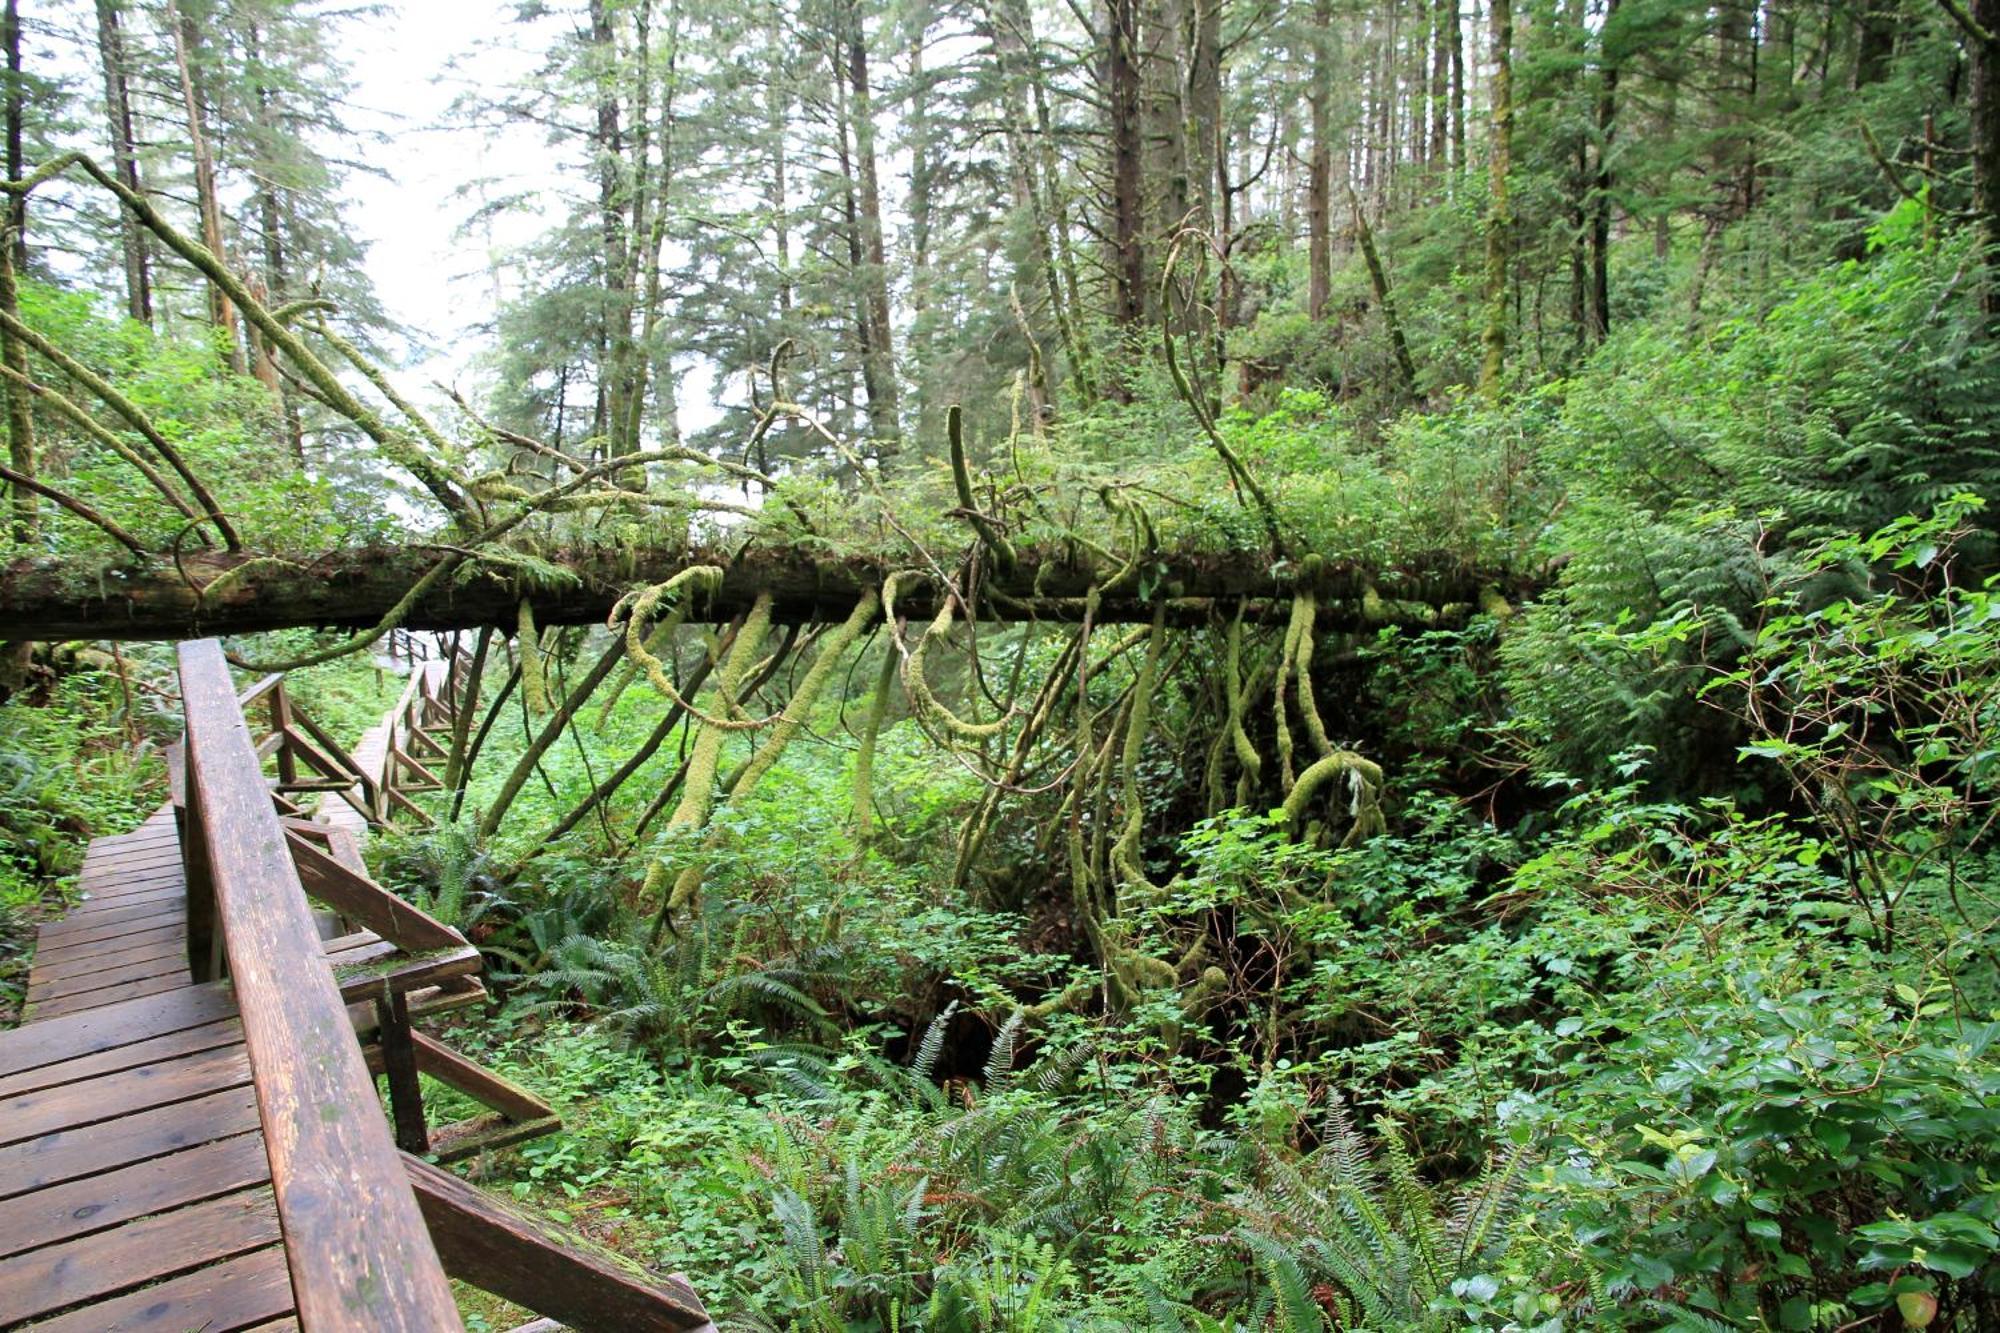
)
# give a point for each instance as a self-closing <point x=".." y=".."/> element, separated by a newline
<point x="1185" y="664"/>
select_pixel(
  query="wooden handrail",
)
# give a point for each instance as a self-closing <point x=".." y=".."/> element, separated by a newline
<point x="359" y="1252"/>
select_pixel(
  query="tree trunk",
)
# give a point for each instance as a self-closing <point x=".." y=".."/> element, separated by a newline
<point x="921" y="348"/>
<point x="883" y="409"/>
<point x="608" y="143"/>
<point x="1983" y="43"/>
<point x="270" y="215"/>
<point x="1378" y="277"/>
<point x="1499" y="219"/>
<point x="64" y="598"/>
<point x="1319" y="181"/>
<point x="1455" y="39"/>
<point x="1122" y="95"/>
<point x="1443" y="41"/>
<point x="1201" y="120"/>
<point x="652" y="363"/>
<point x="1610" y="56"/>
<point x="1875" y="40"/>
<point x="124" y="158"/>
<point x="187" y="41"/>
<point x="13" y="257"/>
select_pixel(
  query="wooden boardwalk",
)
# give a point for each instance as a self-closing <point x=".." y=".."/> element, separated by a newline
<point x="166" y="1164"/>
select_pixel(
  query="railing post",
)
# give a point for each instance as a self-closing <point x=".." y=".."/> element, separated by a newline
<point x="399" y="1063"/>
<point x="204" y="942"/>
<point x="281" y="722"/>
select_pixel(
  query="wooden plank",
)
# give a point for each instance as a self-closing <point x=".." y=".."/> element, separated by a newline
<point x="124" y="889"/>
<point x="264" y="685"/>
<point x="66" y="1155"/>
<point x="329" y="747"/>
<point x="105" y="878"/>
<point x="524" y="1259"/>
<point x="105" y="974"/>
<point x="364" y="901"/>
<point x="207" y="1037"/>
<point x="146" y="1250"/>
<point x="176" y="774"/>
<point x="43" y="1010"/>
<point x="73" y="1105"/>
<point x="244" y="1292"/>
<point x="164" y="854"/>
<point x="154" y="849"/>
<point x="93" y="924"/>
<point x="354" y="1239"/>
<point x="114" y="931"/>
<point x="175" y="935"/>
<point x="83" y="963"/>
<point x="367" y="981"/>
<point x="96" y="1203"/>
<point x="476" y="1081"/>
<point x="93" y="905"/>
<point x="118" y="1025"/>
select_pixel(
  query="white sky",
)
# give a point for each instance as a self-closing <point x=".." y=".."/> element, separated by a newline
<point x="409" y="65"/>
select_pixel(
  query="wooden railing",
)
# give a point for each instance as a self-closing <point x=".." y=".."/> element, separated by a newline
<point x="359" y="1252"/>
<point x="428" y="702"/>
<point x="309" y="760"/>
<point x="371" y="1233"/>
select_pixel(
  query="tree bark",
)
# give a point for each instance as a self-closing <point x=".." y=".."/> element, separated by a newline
<point x="1319" y="179"/>
<point x="1378" y="277"/>
<point x="1499" y="215"/>
<point x="884" y="412"/>
<point x="1610" y="57"/>
<point x="1981" y="18"/>
<point x="13" y="257"/>
<point x="53" y="598"/>
<point x="111" y="55"/>
<point x="1122" y="95"/>
<point x="615" y="336"/>
<point x="187" y="40"/>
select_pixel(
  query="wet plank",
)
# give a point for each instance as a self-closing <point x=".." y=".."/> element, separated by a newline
<point x="112" y="1198"/>
<point x="146" y="1250"/>
<point x="241" y="1293"/>
<point x="69" y="1155"/>
<point x="71" y="1106"/>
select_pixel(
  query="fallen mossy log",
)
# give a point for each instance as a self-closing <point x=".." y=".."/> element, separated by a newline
<point x="62" y="598"/>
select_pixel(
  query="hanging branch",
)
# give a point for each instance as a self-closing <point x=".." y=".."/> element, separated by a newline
<point x="77" y="507"/>
<point x="137" y="419"/>
<point x="89" y="425"/>
<point x="1240" y="476"/>
<point x="1378" y="278"/>
<point x="990" y="535"/>
<point x="551" y="731"/>
<point x="395" y="444"/>
<point x="688" y="885"/>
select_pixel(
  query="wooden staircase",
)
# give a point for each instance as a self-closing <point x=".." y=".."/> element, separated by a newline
<point x="191" y="1135"/>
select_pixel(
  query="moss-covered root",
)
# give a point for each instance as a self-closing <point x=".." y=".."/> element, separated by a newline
<point x="1281" y="726"/>
<point x="864" y="757"/>
<point x="1364" y="788"/>
<point x="925" y="704"/>
<point x="698" y="792"/>
<point x="638" y="610"/>
<point x="1235" y="738"/>
<point x="534" y="678"/>
<point x="688" y="885"/>
<point x="990" y="536"/>
<point x="1305" y="609"/>
<point x="1125" y="859"/>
